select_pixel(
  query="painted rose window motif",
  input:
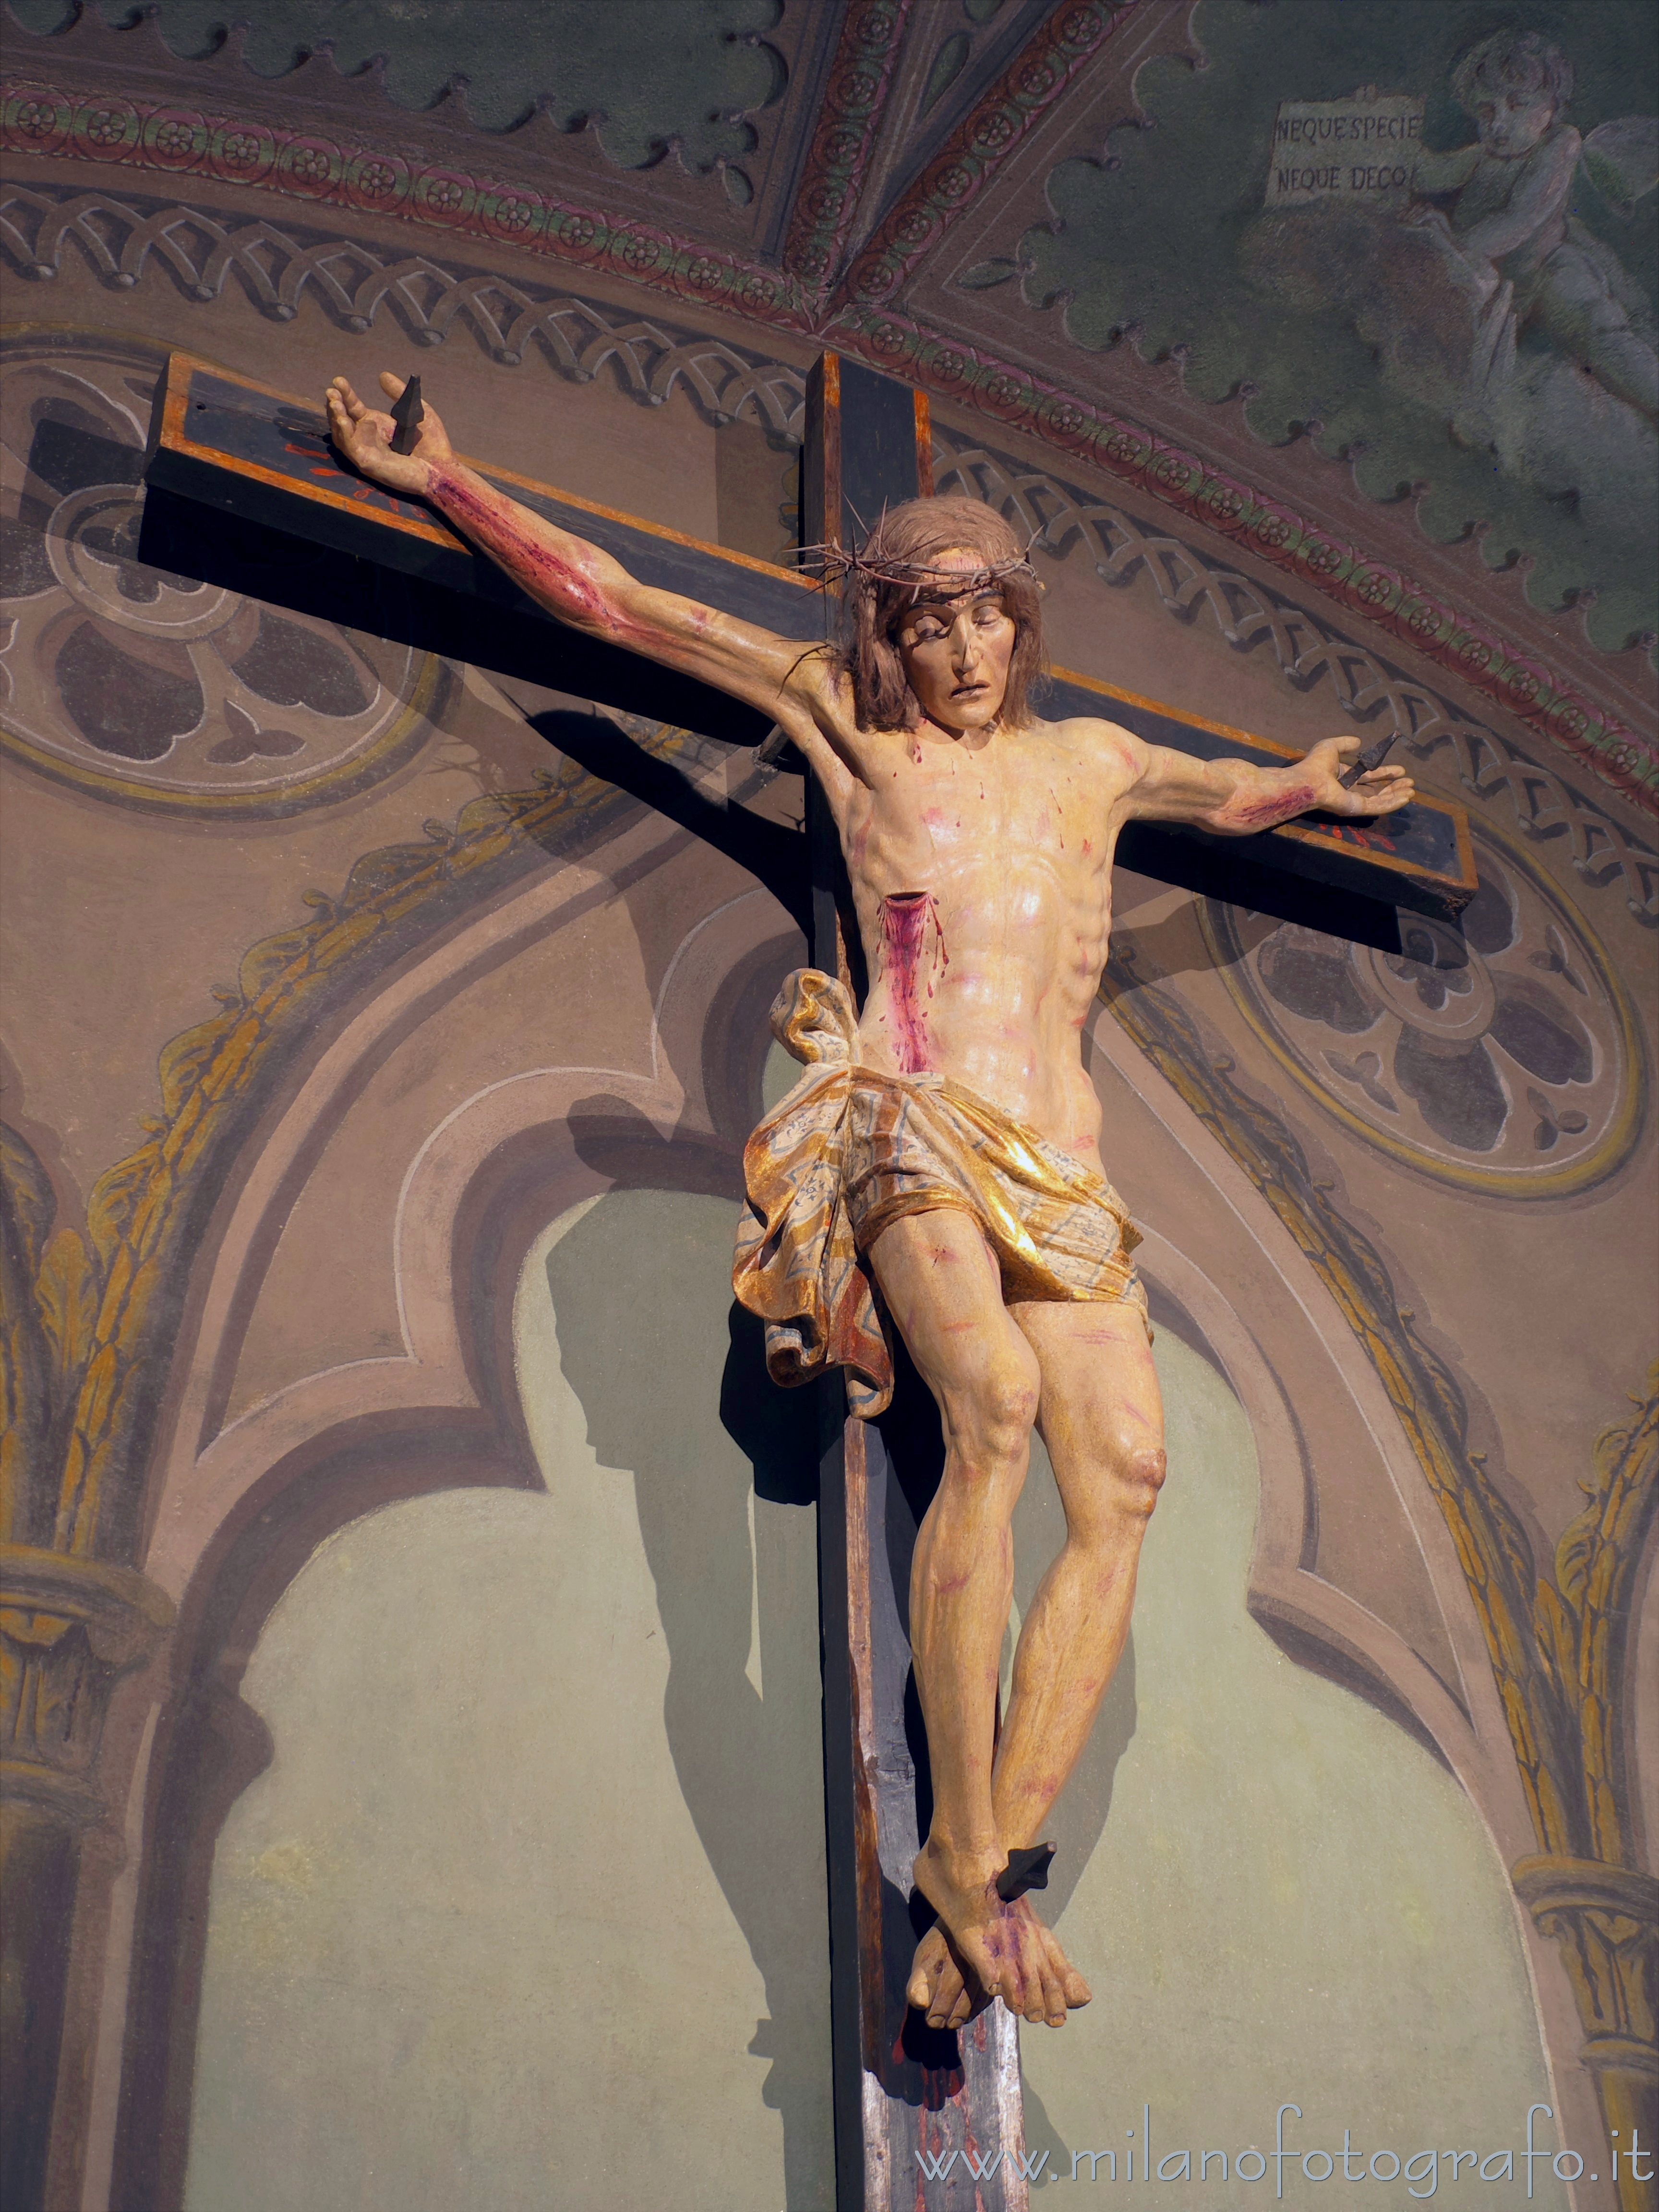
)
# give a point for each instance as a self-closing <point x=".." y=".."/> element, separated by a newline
<point x="135" y="682"/>
<point x="1498" y="1054"/>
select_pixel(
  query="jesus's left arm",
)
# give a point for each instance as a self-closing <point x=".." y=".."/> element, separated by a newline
<point x="1235" y="797"/>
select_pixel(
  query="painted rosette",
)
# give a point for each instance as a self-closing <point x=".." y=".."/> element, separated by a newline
<point x="512" y="214"/>
<point x="953" y="182"/>
<point x="1005" y="393"/>
<point x="638" y="253"/>
<point x="1175" y="473"/>
<point x="376" y="183"/>
<point x="1125" y="449"/>
<point x="1525" y="683"/>
<point x="1477" y="657"/>
<point x="875" y="277"/>
<point x="854" y="91"/>
<point x="914" y="228"/>
<point x="809" y="261"/>
<point x="1035" y="79"/>
<point x="1080" y="28"/>
<point x="1226" y="504"/>
<point x="891" y="342"/>
<point x="312" y="166"/>
<point x="37" y="120"/>
<point x="176" y="138"/>
<point x="1375" y="589"/>
<point x="1322" y="557"/>
<point x="107" y="129"/>
<point x="702" y="275"/>
<point x="756" y="295"/>
<point x="1427" y="622"/>
<point x="1276" y="529"/>
<point x="445" y="196"/>
<point x="1499" y="1056"/>
<point x="946" y="365"/>
<point x="144" y="689"/>
<point x="577" y="235"/>
<point x="997" y="130"/>
<point x="1064" y="421"/>
<point x="240" y="153"/>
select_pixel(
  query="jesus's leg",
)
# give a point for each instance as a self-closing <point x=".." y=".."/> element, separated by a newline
<point x="1101" y="1416"/>
<point x="943" y="1289"/>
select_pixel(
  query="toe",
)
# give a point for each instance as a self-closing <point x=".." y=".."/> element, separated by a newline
<point x="1054" y="1997"/>
<point x="1075" y="1990"/>
<point x="931" y="1964"/>
<point x="1022" y="1990"/>
<point x="949" y="2005"/>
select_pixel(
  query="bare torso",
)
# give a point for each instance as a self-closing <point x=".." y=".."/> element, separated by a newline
<point x="981" y="868"/>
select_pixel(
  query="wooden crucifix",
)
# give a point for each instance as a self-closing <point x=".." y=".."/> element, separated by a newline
<point x="927" y="2114"/>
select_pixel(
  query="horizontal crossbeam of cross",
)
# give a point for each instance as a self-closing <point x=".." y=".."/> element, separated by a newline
<point x="244" y="488"/>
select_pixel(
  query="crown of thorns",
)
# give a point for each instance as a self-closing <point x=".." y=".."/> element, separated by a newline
<point x="835" y="564"/>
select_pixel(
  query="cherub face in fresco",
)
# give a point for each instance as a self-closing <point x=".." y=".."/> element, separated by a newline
<point x="1513" y="118"/>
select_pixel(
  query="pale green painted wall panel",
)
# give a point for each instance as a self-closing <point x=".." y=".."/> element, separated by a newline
<point x="521" y="1915"/>
<point x="1275" y="1895"/>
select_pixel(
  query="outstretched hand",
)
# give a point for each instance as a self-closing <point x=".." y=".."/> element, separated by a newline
<point x="364" y="435"/>
<point x="1381" y="790"/>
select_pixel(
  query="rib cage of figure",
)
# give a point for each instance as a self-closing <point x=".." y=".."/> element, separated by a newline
<point x="938" y="1169"/>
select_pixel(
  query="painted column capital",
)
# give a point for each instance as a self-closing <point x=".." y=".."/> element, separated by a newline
<point x="68" y="1627"/>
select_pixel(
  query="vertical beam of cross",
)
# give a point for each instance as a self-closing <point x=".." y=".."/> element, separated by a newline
<point x="906" y="2097"/>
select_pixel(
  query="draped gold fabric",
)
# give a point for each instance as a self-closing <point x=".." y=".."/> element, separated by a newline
<point x="850" y="1150"/>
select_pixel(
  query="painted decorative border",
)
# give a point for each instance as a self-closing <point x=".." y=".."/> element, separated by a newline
<point x="123" y="239"/>
<point x="39" y="119"/>
<point x="827" y="198"/>
<point x="185" y="142"/>
<point x="980" y="144"/>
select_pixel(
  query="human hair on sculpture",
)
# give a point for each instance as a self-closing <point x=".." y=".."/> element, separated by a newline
<point x="913" y="538"/>
<point x="1523" y="61"/>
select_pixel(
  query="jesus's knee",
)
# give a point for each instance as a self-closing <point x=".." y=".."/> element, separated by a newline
<point x="989" y="1417"/>
<point x="1138" y="1474"/>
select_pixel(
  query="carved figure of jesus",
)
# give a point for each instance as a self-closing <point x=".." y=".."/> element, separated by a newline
<point x="946" y="1134"/>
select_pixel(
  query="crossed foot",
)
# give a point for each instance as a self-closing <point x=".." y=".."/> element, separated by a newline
<point x="1003" y="1949"/>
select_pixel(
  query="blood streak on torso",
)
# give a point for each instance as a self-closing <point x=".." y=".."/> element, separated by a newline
<point x="904" y="918"/>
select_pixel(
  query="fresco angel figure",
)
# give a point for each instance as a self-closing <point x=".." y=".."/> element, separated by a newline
<point x="1499" y="211"/>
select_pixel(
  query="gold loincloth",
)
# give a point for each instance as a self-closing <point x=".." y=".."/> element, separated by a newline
<point x="850" y="1150"/>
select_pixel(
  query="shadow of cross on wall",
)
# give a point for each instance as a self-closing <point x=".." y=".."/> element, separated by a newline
<point x="643" y="1334"/>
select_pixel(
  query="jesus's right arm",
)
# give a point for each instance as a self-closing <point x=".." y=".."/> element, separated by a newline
<point x="583" y="586"/>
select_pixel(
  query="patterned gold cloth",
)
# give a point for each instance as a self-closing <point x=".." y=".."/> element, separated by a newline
<point x="850" y="1150"/>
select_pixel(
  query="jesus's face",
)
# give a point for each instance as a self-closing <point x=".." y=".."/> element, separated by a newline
<point x="956" y="650"/>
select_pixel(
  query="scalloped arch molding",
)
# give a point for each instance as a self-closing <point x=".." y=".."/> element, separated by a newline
<point x="755" y="271"/>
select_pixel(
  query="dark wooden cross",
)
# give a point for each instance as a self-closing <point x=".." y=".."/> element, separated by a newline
<point x="244" y="490"/>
